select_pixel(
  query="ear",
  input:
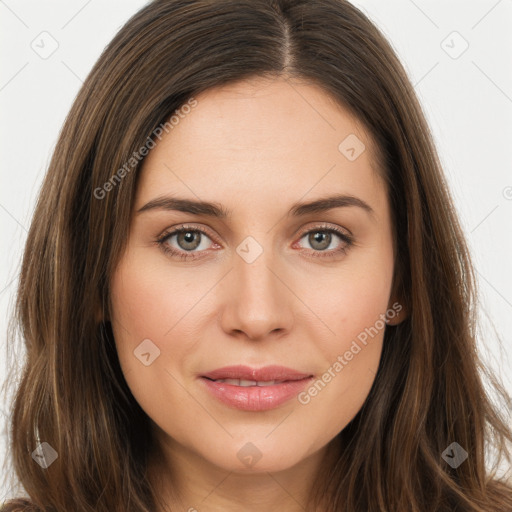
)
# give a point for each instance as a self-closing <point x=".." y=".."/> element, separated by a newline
<point x="101" y="315"/>
<point x="98" y="316"/>
<point x="397" y="310"/>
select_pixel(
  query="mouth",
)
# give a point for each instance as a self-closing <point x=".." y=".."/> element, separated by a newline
<point x="246" y="383"/>
<point x="260" y="389"/>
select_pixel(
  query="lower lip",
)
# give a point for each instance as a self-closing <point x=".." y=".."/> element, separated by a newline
<point x="256" y="398"/>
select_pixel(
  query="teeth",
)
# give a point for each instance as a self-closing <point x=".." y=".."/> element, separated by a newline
<point x="234" y="382"/>
<point x="246" y="383"/>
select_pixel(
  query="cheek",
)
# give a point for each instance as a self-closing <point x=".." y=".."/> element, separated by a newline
<point x="146" y="305"/>
<point x="137" y="304"/>
<point x="352" y="299"/>
<point x="151" y="303"/>
<point x="148" y="300"/>
<point x="353" y="305"/>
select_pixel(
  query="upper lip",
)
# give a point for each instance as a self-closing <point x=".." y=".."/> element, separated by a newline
<point x="266" y="373"/>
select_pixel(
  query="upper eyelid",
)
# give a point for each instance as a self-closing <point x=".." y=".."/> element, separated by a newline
<point x="326" y="227"/>
<point x="320" y="227"/>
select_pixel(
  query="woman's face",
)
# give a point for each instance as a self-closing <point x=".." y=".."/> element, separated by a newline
<point x="284" y="300"/>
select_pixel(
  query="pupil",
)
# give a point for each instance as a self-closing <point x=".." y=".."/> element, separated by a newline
<point x="317" y="238"/>
<point x="186" y="240"/>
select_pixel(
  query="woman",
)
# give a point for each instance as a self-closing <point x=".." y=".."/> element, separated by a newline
<point x="245" y="286"/>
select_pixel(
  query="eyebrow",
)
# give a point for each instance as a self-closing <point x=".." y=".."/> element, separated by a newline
<point x="216" y="210"/>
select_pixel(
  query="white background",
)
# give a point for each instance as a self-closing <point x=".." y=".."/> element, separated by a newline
<point x="467" y="100"/>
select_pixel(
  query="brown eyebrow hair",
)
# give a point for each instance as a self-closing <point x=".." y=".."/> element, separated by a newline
<point x="217" y="210"/>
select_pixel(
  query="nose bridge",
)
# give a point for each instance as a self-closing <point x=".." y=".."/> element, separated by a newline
<point x="259" y="301"/>
<point x="252" y="270"/>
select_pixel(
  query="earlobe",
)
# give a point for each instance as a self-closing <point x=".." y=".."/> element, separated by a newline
<point x="398" y="309"/>
<point x="397" y="312"/>
<point x="101" y="314"/>
<point x="99" y="318"/>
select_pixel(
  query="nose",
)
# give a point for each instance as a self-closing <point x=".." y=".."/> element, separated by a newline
<point x="257" y="299"/>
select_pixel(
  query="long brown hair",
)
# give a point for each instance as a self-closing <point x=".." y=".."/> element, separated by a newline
<point x="429" y="390"/>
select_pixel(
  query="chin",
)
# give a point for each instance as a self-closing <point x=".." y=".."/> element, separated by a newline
<point x="258" y="456"/>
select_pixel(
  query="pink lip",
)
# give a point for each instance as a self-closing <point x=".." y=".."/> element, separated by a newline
<point x="259" y="374"/>
<point x="256" y="398"/>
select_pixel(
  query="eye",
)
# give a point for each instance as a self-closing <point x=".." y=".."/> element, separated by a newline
<point x="184" y="242"/>
<point x="187" y="239"/>
<point x="322" y="237"/>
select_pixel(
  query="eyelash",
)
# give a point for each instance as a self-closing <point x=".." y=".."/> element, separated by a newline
<point x="347" y="239"/>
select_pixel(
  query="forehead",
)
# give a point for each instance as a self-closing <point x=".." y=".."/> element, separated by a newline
<point x="263" y="139"/>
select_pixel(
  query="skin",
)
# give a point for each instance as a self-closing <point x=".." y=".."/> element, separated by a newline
<point x="256" y="147"/>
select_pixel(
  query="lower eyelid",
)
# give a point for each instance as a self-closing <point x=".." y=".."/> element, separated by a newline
<point x="346" y="241"/>
<point x="172" y="234"/>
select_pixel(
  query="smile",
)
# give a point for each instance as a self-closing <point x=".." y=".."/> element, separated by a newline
<point x="249" y="389"/>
